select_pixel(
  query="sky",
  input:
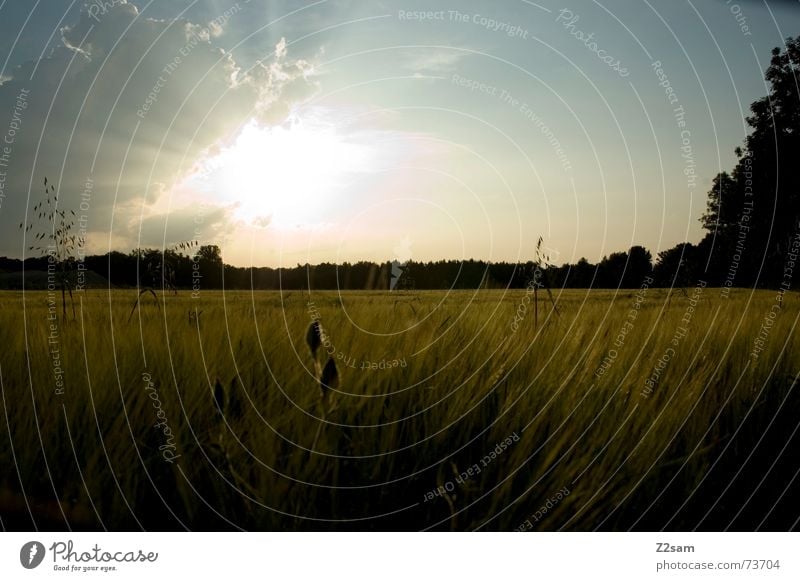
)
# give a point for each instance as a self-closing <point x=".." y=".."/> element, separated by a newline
<point x="332" y="131"/>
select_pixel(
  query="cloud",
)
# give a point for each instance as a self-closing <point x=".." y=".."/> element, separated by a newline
<point x="185" y="224"/>
<point x="433" y="60"/>
<point x="279" y="84"/>
<point x="128" y="103"/>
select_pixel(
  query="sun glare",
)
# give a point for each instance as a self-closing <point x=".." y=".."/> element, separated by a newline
<point x="285" y="175"/>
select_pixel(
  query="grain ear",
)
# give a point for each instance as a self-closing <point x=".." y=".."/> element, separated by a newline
<point x="314" y="338"/>
<point x="328" y="381"/>
<point x="330" y="376"/>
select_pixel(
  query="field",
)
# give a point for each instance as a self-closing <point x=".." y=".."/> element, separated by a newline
<point x="642" y="410"/>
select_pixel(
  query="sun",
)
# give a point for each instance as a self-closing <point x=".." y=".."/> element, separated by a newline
<point x="286" y="174"/>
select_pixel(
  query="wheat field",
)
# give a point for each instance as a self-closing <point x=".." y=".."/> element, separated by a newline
<point x="647" y="410"/>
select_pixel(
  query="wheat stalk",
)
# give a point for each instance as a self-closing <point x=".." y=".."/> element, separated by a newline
<point x="314" y="337"/>
<point x="327" y="377"/>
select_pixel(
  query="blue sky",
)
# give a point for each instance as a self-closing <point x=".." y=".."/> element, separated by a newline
<point x="334" y="130"/>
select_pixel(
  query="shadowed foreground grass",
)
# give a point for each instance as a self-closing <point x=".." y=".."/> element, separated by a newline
<point x="451" y="413"/>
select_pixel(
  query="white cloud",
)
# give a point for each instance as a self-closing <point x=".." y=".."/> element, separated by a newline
<point x="181" y="225"/>
<point x="131" y="102"/>
<point x="433" y="60"/>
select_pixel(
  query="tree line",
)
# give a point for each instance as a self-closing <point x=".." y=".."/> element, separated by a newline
<point x="205" y="270"/>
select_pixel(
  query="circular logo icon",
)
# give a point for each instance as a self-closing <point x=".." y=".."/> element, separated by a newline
<point x="31" y="554"/>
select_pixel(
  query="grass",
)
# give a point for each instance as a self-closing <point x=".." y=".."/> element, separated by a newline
<point x="431" y="386"/>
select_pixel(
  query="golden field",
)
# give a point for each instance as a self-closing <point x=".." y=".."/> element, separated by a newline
<point x="626" y="409"/>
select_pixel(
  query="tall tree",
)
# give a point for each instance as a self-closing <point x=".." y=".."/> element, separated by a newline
<point x="753" y="212"/>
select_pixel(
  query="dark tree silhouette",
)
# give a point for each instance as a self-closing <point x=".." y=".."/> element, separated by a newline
<point x="209" y="261"/>
<point x="753" y="212"/>
<point x="640" y="265"/>
<point x="675" y="268"/>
